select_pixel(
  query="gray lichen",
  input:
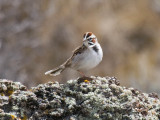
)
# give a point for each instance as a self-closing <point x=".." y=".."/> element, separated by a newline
<point x="95" y="98"/>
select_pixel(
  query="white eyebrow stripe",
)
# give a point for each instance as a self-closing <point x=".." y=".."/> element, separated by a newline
<point x="92" y="36"/>
<point x="86" y="34"/>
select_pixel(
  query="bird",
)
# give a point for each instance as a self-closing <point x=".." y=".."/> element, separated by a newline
<point x="85" y="57"/>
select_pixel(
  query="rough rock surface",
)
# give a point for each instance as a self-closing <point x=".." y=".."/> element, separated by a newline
<point x="94" y="98"/>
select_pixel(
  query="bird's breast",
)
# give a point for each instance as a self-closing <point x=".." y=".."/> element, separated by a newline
<point x="87" y="60"/>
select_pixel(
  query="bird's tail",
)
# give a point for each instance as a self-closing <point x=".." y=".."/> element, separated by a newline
<point x="55" y="71"/>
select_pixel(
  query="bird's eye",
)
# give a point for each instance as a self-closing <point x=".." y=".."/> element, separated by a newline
<point x="89" y="39"/>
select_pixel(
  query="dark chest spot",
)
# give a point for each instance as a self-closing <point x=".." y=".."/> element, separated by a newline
<point x="95" y="49"/>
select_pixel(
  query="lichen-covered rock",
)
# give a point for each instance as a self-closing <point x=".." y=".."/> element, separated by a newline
<point x="94" y="98"/>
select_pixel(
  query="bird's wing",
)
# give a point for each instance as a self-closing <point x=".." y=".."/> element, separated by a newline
<point x="77" y="51"/>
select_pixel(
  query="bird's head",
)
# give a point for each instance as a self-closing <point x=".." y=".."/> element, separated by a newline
<point x="89" y="39"/>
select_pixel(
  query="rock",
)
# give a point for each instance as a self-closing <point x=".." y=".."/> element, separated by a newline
<point x="87" y="98"/>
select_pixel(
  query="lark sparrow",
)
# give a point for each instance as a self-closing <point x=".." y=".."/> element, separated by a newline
<point x="84" y="57"/>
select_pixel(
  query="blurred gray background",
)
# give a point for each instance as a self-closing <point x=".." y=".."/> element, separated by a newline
<point x="38" y="35"/>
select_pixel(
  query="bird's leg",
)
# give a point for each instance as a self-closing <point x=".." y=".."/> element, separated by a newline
<point x="84" y="78"/>
<point x="81" y="73"/>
